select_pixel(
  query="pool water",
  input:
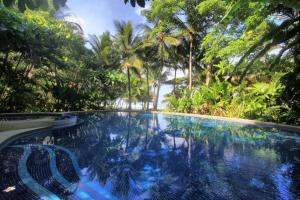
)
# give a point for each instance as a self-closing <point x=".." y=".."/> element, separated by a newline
<point x="151" y="156"/>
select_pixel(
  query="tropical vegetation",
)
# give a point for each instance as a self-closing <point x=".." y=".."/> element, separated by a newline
<point x="240" y="58"/>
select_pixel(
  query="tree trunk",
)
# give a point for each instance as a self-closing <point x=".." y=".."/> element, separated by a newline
<point x="208" y="74"/>
<point x="175" y="80"/>
<point x="174" y="141"/>
<point x="148" y="88"/>
<point x="129" y="87"/>
<point x="158" y="86"/>
<point x="157" y="95"/>
<point x="28" y="70"/>
<point x="190" y="64"/>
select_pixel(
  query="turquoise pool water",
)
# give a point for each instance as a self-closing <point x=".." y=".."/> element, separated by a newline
<point x="151" y="156"/>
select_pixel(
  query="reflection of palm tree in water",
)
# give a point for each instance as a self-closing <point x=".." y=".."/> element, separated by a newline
<point x="104" y="154"/>
<point x="128" y="131"/>
<point x="123" y="179"/>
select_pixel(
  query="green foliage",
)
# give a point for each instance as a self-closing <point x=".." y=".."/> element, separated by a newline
<point x="259" y="101"/>
<point x="22" y="5"/>
<point x="46" y="67"/>
<point x="243" y="58"/>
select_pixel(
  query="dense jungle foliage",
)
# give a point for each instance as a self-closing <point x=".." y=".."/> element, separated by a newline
<point x="242" y="59"/>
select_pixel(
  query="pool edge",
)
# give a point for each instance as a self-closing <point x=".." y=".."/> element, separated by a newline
<point x="283" y="127"/>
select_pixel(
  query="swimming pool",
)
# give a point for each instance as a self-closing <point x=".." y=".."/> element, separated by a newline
<point x="118" y="155"/>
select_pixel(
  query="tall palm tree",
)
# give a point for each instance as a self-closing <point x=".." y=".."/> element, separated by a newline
<point x="161" y="41"/>
<point x="177" y="61"/>
<point x="150" y="62"/>
<point x="128" y="43"/>
<point x="187" y="31"/>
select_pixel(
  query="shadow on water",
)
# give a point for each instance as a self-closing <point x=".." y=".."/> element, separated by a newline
<point x="150" y="156"/>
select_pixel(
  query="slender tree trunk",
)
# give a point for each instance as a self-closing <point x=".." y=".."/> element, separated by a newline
<point x="157" y="124"/>
<point x="28" y="70"/>
<point x="154" y="92"/>
<point x="148" y="88"/>
<point x="174" y="141"/>
<point x="190" y="63"/>
<point x="158" y="86"/>
<point x="175" y="80"/>
<point x="157" y="95"/>
<point x="129" y="87"/>
<point x="208" y="74"/>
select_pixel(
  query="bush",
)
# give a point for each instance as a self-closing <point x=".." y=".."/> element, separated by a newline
<point x="259" y="101"/>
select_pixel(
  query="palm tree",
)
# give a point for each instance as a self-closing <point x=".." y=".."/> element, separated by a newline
<point x="187" y="31"/>
<point x="128" y="44"/>
<point x="103" y="50"/>
<point x="161" y="76"/>
<point x="162" y="42"/>
<point x="177" y="59"/>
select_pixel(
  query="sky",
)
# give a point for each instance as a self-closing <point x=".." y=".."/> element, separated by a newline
<point x="97" y="16"/>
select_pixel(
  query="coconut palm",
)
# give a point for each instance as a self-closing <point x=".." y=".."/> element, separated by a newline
<point x="150" y="62"/>
<point x="187" y="31"/>
<point x="128" y="44"/>
<point x="103" y="50"/>
<point x="162" y="42"/>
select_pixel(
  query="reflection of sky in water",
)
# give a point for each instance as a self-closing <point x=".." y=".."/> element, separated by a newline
<point x="147" y="156"/>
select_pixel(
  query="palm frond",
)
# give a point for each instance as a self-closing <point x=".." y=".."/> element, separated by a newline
<point x="132" y="62"/>
<point x="276" y="36"/>
<point x="172" y="40"/>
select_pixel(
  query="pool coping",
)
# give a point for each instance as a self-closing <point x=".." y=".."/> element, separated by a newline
<point x="283" y="127"/>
